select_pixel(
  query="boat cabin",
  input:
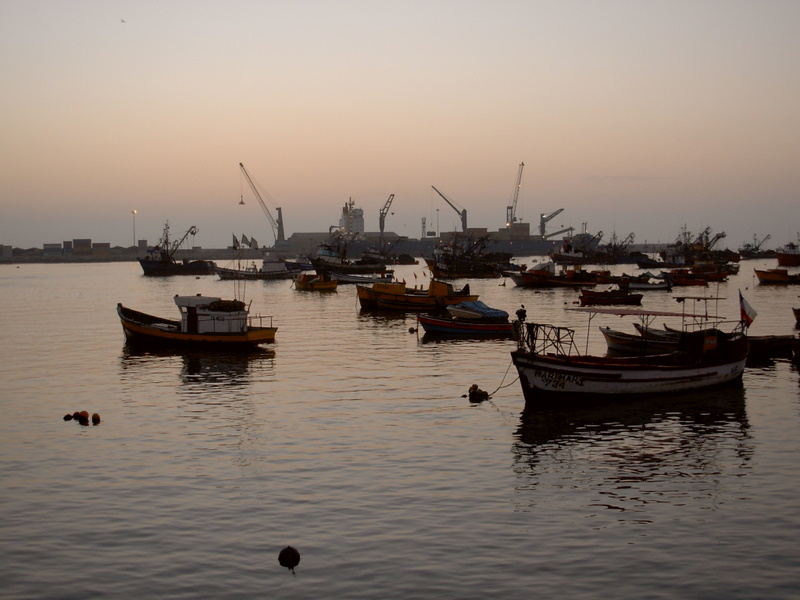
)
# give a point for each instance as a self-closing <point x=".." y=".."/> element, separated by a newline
<point x="209" y="314"/>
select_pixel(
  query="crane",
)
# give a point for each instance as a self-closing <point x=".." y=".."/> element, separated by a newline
<point x="277" y="225"/>
<point x="511" y="211"/>
<point x="383" y="213"/>
<point x="461" y="212"/>
<point x="545" y="219"/>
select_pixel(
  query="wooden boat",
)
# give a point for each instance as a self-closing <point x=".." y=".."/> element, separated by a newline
<point x="272" y="267"/>
<point x="206" y="321"/>
<point x="545" y="275"/>
<point x="160" y="260"/>
<point x="396" y="296"/>
<point x="477" y="311"/>
<point x="608" y="297"/>
<point x="365" y="278"/>
<point x="551" y="368"/>
<point x="776" y="277"/>
<point x="317" y="282"/>
<point x="464" y="327"/>
<point x="636" y="343"/>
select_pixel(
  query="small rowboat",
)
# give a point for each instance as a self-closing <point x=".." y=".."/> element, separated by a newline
<point x="464" y="327"/>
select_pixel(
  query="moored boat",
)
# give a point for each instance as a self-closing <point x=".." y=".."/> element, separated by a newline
<point x="776" y="277"/>
<point x="789" y="255"/>
<point x="546" y="275"/>
<point x="160" y="260"/>
<point x="206" y="321"/>
<point x="271" y="268"/>
<point x="396" y="296"/>
<point x="464" y="327"/>
<point x="551" y="368"/>
<point x="317" y="282"/>
<point x="608" y="297"/>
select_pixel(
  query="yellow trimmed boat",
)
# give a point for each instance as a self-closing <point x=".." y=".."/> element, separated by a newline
<point x="317" y="282"/>
<point x="206" y="321"/>
<point x="396" y="296"/>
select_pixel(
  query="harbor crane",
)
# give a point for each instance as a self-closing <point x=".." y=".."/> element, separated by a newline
<point x="462" y="212"/>
<point x="382" y="219"/>
<point x="511" y="211"/>
<point x="545" y="219"/>
<point x="277" y="224"/>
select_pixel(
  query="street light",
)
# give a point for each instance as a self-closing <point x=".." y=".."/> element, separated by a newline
<point x="133" y="212"/>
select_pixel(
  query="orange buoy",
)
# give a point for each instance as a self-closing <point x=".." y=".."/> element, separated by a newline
<point x="95" y="419"/>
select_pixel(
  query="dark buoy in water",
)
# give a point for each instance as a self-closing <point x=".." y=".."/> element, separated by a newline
<point x="289" y="557"/>
<point x="95" y="419"/>
<point x="412" y="330"/>
<point x="68" y="417"/>
<point x="476" y="394"/>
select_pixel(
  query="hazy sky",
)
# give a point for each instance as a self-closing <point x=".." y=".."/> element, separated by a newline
<point x="636" y="116"/>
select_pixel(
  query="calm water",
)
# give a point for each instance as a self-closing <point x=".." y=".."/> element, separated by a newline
<point x="350" y="440"/>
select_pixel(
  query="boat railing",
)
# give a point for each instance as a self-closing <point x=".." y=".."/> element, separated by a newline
<point x="259" y="321"/>
<point x="540" y="338"/>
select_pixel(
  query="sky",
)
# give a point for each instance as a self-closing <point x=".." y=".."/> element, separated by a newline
<point x="634" y="116"/>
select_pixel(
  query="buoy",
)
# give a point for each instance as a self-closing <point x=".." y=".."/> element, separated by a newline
<point x="411" y="330"/>
<point x="95" y="419"/>
<point x="289" y="557"/>
<point x="476" y="394"/>
<point x="68" y="417"/>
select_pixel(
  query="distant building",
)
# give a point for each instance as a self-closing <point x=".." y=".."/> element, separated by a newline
<point x="82" y="247"/>
<point x="52" y="250"/>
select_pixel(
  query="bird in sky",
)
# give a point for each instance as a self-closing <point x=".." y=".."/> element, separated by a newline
<point x="122" y="21"/>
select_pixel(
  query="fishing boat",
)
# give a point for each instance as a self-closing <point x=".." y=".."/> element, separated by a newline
<point x="272" y="267"/>
<point x="205" y="322"/>
<point x="776" y="277"/>
<point x="466" y="257"/>
<point x="547" y="275"/>
<point x="636" y="343"/>
<point x="551" y="367"/>
<point x="789" y="255"/>
<point x="590" y="297"/>
<point x="396" y="296"/>
<point x="331" y="257"/>
<point x="316" y="282"/>
<point x="160" y="260"/>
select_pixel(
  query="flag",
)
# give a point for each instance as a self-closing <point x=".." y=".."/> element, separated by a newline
<point x="748" y="314"/>
<point x="235" y="242"/>
<point x="253" y="243"/>
<point x="245" y="241"/>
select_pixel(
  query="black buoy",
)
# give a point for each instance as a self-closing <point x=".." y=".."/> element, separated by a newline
<point x="289" y="557"/>
<point x="476" y="394"/>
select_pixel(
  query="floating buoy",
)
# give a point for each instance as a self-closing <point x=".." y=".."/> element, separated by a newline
<point x="95" y="419"/>
<point x="68" y="417"/>
<point x="476" y="394"/>
<point x="411" y="330"/>
<point x="289" y="557"/>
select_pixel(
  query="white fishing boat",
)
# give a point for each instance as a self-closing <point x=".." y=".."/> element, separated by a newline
<point x="551" y="367"/>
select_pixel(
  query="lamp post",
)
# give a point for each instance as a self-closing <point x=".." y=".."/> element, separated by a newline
<point x="133" y="212"/>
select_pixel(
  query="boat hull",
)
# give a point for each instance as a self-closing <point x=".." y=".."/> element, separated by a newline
<point x="160" y="268"/>
<point x="550" y="377"/>
<point x="237" y="274"/>
<point x="444" y="326"/>
<point x="143" y="329"/>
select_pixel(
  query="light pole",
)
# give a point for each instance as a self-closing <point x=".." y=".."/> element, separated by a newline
<point x="133" y="212"/>
<point x="437" y="223"/>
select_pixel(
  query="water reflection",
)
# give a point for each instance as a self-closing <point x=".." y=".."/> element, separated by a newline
<point x="627" y="454"/>
<point x="205" y="370"/>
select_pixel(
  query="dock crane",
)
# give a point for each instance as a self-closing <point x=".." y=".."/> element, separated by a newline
<point x="382" y="219"/>
<point x="461" y="212"/>
<point x="545" y="219"/>
<point x="277" y="225"/>
<point x="511" y="211"/>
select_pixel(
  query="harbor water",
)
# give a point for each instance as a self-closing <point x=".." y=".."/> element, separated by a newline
<point x="351" y="439"/>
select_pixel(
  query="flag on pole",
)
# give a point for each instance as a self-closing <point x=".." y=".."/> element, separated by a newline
<point x="253" y="243"/>
<point x="245" y="241"/>
<point x="748" y="314"/>
<point x="235" y="242"/>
